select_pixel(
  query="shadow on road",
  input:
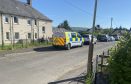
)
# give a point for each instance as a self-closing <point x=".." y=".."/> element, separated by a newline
<point x="78" y="80"/>
<point x="49" y="48"/>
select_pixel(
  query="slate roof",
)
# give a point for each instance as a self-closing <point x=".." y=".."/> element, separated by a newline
<point x="16" y="7"/>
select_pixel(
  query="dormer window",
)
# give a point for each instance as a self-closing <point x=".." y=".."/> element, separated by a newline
<point x="16" y="20"/>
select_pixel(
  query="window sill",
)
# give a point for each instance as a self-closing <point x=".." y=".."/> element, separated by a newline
<point x="7" y="40"/>
<point x="16" y="23"/>
<point x="28" y="24"/>
<point x="16" y="39"/>
<point x="6" y="22"/>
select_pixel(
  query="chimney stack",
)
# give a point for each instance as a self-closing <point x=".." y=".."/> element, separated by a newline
<point x="29" y="2"/>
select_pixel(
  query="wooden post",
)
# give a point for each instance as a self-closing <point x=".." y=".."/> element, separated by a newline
<point x="108" y="52"/>
<point x="102" y="60"/>
<point x="91" y="46"/>
<point x="13" y="35"/>
<point x="97" y="63"/>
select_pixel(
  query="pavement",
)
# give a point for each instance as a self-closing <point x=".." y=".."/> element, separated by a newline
<point x="46" y="64"/>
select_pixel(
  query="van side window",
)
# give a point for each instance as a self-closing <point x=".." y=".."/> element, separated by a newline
<point x="73" y="35"/>
<point x="79" y="36"/>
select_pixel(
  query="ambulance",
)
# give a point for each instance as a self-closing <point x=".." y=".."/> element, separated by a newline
<point x="67" y="40"/>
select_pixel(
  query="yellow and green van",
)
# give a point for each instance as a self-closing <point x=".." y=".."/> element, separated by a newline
<point x="67" y="39"/>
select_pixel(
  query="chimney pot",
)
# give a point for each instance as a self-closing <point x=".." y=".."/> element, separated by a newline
<point x="29" y="2"/>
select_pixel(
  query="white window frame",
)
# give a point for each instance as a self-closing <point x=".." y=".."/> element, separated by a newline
<point x="30" y="21"/>
<point x="36" y="35"/>
<point x="28" y="35"/>
<point x="6" y="16"/>
<point x="18" y="36"/>
<point x="44" y="29"/>
<point x="8" y="36"/>
<point x="17" y="20"/>
<point x="35" y="22"/>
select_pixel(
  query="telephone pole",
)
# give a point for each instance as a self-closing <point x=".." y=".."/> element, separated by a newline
<point x="2" y="33"/>
<point x="91" y="45"/>
<point x="111" y="21"/>
<point x="111" y="25"/>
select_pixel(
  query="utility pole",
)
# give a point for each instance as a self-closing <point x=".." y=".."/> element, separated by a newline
<point x="91" y="45"/>
<point x="111" y="21"/>
<point x="32" y="30"/>
<point x="111" y="25"/>
<point x="11" y="32"/>
<point x="2" y="33"/>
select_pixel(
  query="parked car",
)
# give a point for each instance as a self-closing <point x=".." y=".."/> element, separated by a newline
<point x="87" y="39"/>
<point x="117" y="37"/>
<point x="103" y="38"/>
<point x="112" y="38"/>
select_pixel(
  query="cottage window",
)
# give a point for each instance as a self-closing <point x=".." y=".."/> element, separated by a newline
<point x="6" y="19"/>
<point x="16" y="19"/>
<point x="35" y="22"/>
<point x="29" y="35"/>
<point x="7" y="35"/>
<point x="29" y="21"/>
<point x="35" y="35"/>
<point x="16" y="35"/>
<point x="43" y="29"/>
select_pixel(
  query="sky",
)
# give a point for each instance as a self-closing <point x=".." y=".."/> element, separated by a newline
<point x="79" y="13"/>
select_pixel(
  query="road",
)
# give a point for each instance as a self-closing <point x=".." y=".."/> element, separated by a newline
<point x="45" y="65"/>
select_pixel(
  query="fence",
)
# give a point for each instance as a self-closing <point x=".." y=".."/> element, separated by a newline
<point x="25" y="43"/>
<point x="100" y="71"/>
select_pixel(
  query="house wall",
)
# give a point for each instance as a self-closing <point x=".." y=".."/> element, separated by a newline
<point x="23" y="29"/>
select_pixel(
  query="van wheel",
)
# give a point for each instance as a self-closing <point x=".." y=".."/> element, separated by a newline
<point x="68" y="47"/>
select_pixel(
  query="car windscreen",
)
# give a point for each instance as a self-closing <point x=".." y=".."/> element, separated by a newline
<point x="102" y="36"/>
<point x="86" y="36"/>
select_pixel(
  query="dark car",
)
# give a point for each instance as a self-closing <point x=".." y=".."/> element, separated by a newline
<point x="87" y="39"/>
<point x="103" y="38"/>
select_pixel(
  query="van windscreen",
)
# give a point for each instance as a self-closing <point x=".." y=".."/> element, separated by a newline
<point x="59" y="34"/>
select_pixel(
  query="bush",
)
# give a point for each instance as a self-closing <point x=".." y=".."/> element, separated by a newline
<point x="120" y="62"/>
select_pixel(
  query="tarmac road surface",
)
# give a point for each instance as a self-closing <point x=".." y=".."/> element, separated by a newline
<point x="45" y="65"/>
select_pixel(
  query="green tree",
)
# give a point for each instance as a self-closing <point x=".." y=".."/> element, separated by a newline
<point x="65" y="25"/>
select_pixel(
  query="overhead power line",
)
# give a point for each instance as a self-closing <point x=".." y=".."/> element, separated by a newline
<point x="78" y="8"/>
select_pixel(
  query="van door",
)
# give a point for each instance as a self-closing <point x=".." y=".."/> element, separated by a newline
<point x="73" y="39"/>
<point x="79" y="39"/>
